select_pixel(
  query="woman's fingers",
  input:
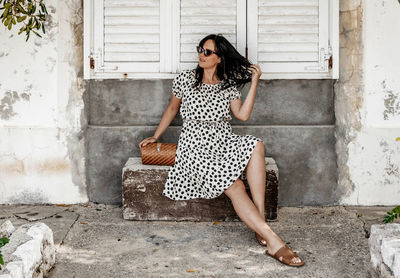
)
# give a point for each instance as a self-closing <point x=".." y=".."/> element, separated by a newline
<point x="146" y="141"/>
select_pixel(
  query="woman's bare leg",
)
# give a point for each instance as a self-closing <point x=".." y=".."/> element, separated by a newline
<point x="256" y="177"/>
<point x="249" y="214"/>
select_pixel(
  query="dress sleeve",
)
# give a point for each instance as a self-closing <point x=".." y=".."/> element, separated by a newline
<point x="177" y="85"/>
<point x="234" y="93"/>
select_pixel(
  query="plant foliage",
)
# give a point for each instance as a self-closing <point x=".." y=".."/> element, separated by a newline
<point x="3" y="241"/>
<point x="30" y="13"/>
<point x="391" y="215"/>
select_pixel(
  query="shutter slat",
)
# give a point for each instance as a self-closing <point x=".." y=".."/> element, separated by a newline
<point x="110" y="20"/>
<point x="130" y="3"/>
<point x="283" y="10"/>
<point x="194" y="21"/>
<point x="290" y="3"/>
<point x="132" y="57"/>
<point x="137" y="11"/>
<point x="288" y="56"/>
<point x="205" y="30"/>
<point x="280" y="28"/>
<point x="138" y="29"/>
<point x="289" y="19"/>
<point x="139" y="47"/>
<point x="276" y="47"/>
<point x="287" y="38"/>
<point x="132" y="38"/>
<point x="206" y="11"/>
<point x="192" y="38"/>
<point x="213" y="4"/>
<point x="131" y="30"/>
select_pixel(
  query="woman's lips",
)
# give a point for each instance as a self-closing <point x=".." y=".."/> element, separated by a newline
<point x="201" y="60"/>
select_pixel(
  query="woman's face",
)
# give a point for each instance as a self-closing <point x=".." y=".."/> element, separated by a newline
<point x="210" y="61"/>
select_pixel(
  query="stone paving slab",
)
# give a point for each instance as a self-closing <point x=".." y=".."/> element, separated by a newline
<point x="95" y="241"/>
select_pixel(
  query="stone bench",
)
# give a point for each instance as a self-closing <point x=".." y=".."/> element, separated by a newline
<point x="142" y="198"/>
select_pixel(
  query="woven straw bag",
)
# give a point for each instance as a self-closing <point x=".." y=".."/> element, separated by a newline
<point x="159" y="154"/>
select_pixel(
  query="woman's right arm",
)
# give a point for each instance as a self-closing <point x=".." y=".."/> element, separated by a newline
<point x="169" y="114"/>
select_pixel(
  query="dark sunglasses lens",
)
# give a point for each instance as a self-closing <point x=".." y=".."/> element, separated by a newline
<point x="207" y="52"/>
<point x="200" y="49"/>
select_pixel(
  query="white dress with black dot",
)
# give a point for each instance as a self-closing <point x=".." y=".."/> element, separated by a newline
<point x="209" y="157"/>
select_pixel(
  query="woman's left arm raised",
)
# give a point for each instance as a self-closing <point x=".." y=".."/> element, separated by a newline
<point x="242" y="111"/>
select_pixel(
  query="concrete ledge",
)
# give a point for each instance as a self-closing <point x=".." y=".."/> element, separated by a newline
<point x="142" y="198"/>
<point x="384" y="244"/>
<point x="30" y="252"/>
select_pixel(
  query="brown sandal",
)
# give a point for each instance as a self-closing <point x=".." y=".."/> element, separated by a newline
<point x="285" y="256"/>
<point x="260" y="240"/>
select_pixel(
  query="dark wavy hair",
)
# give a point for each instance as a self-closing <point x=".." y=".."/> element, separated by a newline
<point x="233" y="70"/>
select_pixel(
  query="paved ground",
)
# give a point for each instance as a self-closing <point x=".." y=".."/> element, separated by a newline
<point x="93" y="240"/>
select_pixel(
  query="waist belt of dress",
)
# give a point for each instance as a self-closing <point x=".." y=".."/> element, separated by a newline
<point x="204" y="121"/>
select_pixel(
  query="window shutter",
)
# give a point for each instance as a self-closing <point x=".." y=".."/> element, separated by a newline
<point x="129" y="37"/>
<point x="200" y="18"/>
<point x="290" y="38"/>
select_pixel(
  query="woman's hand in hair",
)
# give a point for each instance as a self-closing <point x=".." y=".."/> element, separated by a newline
<point x="256" y="72"/>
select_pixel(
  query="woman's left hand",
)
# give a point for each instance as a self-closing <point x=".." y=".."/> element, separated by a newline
<point x="256" y="70"/>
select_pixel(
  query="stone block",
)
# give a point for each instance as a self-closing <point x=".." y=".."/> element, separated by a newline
<point x="142" y="198"/>
<point x="29" y="253"/>
<point x="6" y="229"/>
<point x="384" y="244"/>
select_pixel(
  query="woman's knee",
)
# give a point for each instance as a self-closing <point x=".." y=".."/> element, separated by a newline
<point x="260" y="148"/>
<point x="237" y="186"/>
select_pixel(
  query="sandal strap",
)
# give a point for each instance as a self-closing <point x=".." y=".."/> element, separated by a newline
<point x="286" y="254"/>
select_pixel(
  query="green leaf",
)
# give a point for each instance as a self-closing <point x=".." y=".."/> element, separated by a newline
<point x="21" y="9"/>
<point x="21" y="18"/>
<point x="44" y="32"/>
<point x="5" y="13"/>
<point x="10" y="25"/>
<point x="36" y="33"/>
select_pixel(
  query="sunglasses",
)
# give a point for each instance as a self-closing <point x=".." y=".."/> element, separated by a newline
<point x="207" y="52"/>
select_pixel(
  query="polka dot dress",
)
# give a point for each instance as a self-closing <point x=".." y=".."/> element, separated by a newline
<point x="209" y="157"/>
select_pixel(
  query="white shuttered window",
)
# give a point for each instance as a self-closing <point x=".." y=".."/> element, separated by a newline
<point x="292" y="38"/>
<point x="158" y="38"/>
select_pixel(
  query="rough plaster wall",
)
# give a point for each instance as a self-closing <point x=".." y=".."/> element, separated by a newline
<point x="41" y="111"/>
<point x="367" y="103"/>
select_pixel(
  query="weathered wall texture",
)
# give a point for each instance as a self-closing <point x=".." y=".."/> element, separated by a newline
<point x="42" y="121"/>
<point x="367" y="103"/>
<point x="43" y="142"/>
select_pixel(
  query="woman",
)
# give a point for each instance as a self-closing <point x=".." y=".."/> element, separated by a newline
<point x="210" y="159"/>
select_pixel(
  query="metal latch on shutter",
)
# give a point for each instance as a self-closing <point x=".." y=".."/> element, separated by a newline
<point x="325" y="61"/>
<point x="95" y="59"/>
